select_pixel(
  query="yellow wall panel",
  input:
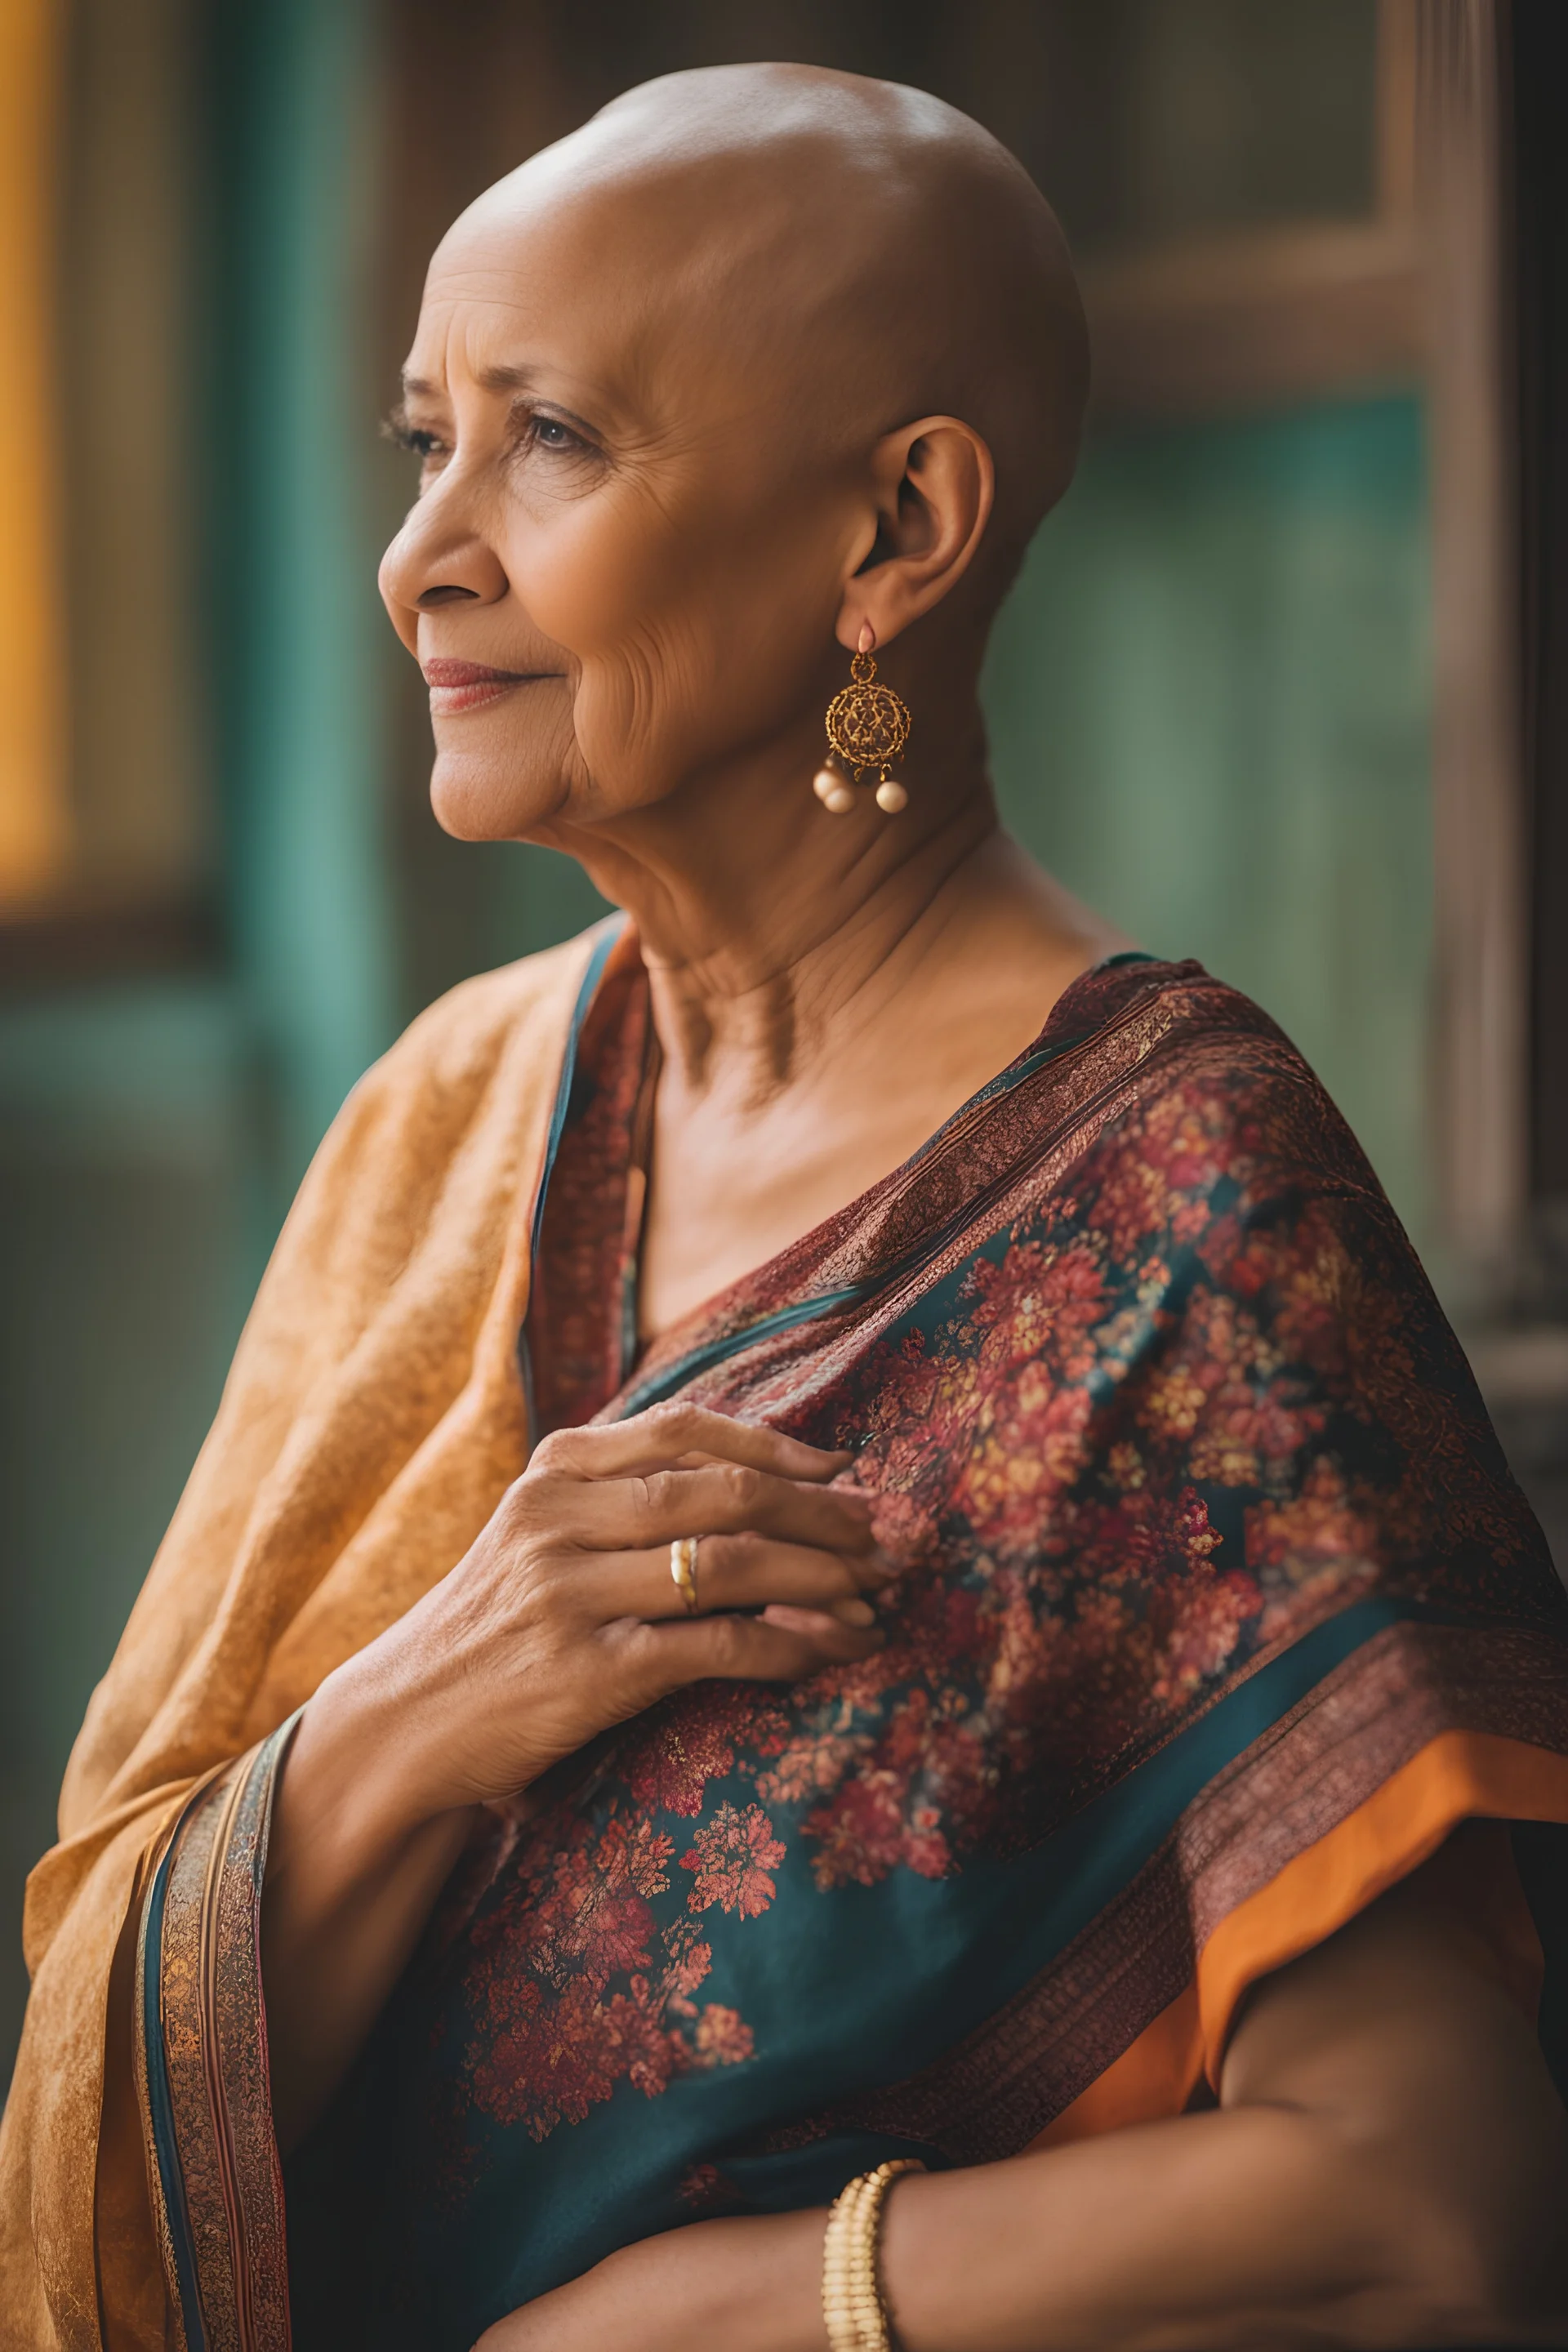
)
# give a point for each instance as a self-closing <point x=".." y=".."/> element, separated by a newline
<point x="33" y="805"/>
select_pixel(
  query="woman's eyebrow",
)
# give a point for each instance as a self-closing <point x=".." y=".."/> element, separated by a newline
<point x="501" y="378"/>
<point x="497" y="377"/>
<point x="520" y="377"/>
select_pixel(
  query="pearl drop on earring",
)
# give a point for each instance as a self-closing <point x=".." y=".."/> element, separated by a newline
<point x="867" y="727"/>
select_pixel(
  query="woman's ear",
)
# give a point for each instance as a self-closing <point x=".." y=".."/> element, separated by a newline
<point x="934" y="485"/>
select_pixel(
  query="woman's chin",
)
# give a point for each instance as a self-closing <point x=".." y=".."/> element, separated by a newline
<point x="473" y="803"/>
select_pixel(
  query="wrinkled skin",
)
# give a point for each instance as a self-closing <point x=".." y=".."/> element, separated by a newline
<point x="760" y="361"/>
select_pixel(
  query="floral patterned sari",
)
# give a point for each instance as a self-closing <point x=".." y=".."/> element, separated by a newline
<point x="1219" y="1612"/>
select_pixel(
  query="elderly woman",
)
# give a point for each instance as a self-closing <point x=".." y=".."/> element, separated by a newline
<point x="851" y="1664"/>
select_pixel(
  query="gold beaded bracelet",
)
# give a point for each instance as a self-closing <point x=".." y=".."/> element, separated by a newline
<point x="852" y="2299"/>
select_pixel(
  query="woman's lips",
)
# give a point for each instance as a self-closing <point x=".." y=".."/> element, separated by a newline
<point x="468" y="686"/>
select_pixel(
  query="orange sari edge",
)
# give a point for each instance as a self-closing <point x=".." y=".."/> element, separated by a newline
<point x="1457" y="1776"/>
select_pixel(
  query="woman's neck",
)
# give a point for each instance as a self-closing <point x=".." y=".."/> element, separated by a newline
<point x="772" y="930"/>
<point x="825" y="990"/>
<point x="749" y="998"/>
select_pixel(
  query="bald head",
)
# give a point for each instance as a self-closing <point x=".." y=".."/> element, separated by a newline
<point x="859" y="253"/>
<point x="757" y="361"/>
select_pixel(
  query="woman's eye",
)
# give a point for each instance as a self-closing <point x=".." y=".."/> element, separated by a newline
<point x="549" y="433"/>
<point x="416" y="438"/>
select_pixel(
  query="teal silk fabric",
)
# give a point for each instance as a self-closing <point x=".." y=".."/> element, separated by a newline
<point x="1203" y="1536"/>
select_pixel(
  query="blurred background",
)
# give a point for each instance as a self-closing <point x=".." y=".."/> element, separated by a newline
<point x="1281" y="686"/>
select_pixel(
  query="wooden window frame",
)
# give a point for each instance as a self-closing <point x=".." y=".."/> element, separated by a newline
<point x="1415" y="297"/>
<point x="1237" y="320"/>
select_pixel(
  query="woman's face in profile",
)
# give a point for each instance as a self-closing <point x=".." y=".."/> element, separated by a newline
<point x="628" y="553"/>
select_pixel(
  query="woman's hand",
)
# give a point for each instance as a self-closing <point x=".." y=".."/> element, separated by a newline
<point x="753" y="2284"/>
<point x="562" y="1621"/>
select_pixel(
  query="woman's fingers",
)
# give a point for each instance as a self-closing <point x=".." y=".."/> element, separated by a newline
<point x="727" y="1498"/>
<point x="809" y="1621"/>
<point x="666" y="1657"/>
<point x="743" y="1571"/>
<point x="659" y="1438"/>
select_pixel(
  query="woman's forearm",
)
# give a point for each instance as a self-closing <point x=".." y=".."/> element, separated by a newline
<point x="1252" y="2228"/>
<point x="1241" y="2229"/>
<point x="355" y="1867"/>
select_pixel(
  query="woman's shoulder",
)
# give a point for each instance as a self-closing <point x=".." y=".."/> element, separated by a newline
<point x="1203" y="1073"/>
<point x="1160" y="997"/>
<point x="487" y="1053"/>
<point x="461" y="1038"/>
<point x="482" y="1019"/>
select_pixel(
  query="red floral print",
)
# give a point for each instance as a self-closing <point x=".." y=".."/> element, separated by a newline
<point x="554" y="2029"/>
<point x="731" y="1858"/>
<point x="698" y="1743"/>
<point x="723" y="2037"/>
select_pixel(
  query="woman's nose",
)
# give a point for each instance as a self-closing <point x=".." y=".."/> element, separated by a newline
<point x="438" y="558"/>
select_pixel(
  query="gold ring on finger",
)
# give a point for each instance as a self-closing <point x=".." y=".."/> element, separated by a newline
<point x="683" y="1571"/>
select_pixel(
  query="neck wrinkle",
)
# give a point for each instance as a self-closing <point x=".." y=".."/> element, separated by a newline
<point x="760" y="1005"/>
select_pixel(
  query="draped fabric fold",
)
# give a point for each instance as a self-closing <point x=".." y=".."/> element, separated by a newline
<point x="211" y="2154"/>
<point x="1217" y="1614"/>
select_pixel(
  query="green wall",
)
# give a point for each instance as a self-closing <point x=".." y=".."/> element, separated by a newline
<point x="131" y="1137"/>
<point x="298" y="638"/>
<point x="1209" y="704"/>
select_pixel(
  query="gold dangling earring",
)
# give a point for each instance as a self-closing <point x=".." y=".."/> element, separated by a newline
<point x="867" y="727"/>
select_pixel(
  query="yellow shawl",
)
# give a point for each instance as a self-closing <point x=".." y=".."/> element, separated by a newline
<point x="371" y="1420"/>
